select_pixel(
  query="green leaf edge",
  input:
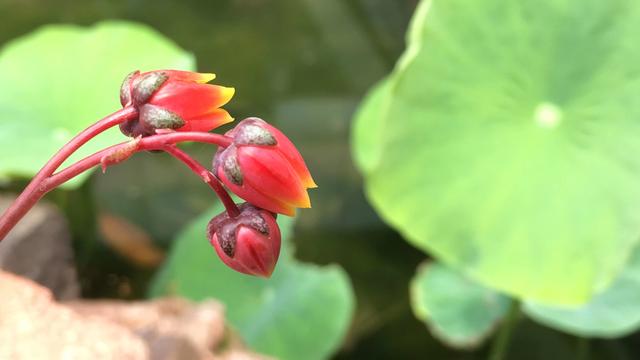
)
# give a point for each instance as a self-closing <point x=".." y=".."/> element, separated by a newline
<point x="76" y="182"/>
<point x="422" y="313"/>
<point x="388" y="84"/>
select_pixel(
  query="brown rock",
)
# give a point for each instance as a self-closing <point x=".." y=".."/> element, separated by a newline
<point x="39" y="248"/>
<point x="32" y="326"/>
<point x="174" y="328"/>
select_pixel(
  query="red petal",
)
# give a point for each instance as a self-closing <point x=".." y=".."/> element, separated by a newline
<point x="293" y="155"/>
<point x="267" y="170"/>
<point x="255" y="197"/>
<point x="255" y="253"/>
<point x="191" y="100"/>
<point x="208" y="122"/>
<point x="230" y="262"/>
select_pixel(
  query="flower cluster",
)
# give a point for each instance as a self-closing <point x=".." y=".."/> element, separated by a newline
<point x="255" y="161"/>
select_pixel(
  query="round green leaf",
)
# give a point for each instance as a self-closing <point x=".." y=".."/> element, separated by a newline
<point x="368" y="132"/>
<point x="457" y="311"/>
<point x="510" y="142"/>
<point x="60" y="79"/>
<point x="613" y="313"/>
<point x="301" y="312"/>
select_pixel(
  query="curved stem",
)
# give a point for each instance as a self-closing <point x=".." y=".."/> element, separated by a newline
<point x="501" y="342"/>
<point x="35" y="190"/>
<point x="207" y="176"/>
<point x="89" y="133"/>
<point x="155" y="142"/>
<point x="45" y="181"/>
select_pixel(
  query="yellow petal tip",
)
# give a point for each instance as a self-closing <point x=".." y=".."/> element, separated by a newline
<point x="205" y="77"/>
<point x="225" y="118"/>
<point x="310" y="184"/>
<point x="305" y="202"/>
<point x="226" y="93"/>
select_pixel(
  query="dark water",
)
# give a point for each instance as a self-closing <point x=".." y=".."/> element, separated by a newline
<point x="303" y="65"/>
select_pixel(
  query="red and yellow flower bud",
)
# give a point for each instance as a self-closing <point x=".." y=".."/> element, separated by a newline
<point x="173" y="99"/>
<point x="263" y="167"/>
<point x="248" y="243"/>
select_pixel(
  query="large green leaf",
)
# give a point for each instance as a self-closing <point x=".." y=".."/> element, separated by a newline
<point x="302" y="312"/>
<point x="62" y="78"/>
<point x="614" y="312"/>
<point x="510" y="142"/>
<point x="368" y="129"/>
<point x="458" y="311"/>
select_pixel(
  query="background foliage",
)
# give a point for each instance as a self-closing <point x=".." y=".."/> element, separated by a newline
<point x="83" y="68"/>
<point x="517" y="151"/>
<point x="501" y="142"/>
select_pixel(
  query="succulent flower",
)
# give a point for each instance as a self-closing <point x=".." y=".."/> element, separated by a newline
<point x="175" y="100"/>
<point x="263" y="167"/>
<point x="248" y="243"/>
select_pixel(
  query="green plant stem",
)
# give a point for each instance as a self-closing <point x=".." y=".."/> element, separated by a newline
<point x="583" y="348"/>
<point x="501" y="342"/>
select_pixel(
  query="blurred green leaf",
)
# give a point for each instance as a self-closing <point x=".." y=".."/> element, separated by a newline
<point x="613" y="313"/>
<point x="368" y="126"/>
<point x="509" y="144"/>
<point x="302" y="312"/>
<point x="60" y="79"/>
<point x="459" y="312"/>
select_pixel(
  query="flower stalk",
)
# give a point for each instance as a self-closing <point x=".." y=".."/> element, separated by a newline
<point x="206" y="176"/>
<point x="47" y="180"/>
<point x="35" y="190"/>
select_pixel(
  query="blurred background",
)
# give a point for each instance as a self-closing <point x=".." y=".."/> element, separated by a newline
<point x="305" y="66"/>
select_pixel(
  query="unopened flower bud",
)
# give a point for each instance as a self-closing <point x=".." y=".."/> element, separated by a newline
<point x="248" y="243"/>
<point x="264" y="168"/>
<point x="172" y="99"/>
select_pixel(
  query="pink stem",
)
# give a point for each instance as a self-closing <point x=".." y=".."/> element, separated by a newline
<point x="35" y="190"/>
<point x="207" y="176"/>
<point x="155" y="142"/>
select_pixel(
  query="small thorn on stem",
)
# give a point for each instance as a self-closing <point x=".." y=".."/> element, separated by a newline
<point x="120" y="154"/>
<point x="206" y="176"/>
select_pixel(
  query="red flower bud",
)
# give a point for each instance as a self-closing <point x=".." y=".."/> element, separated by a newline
<point x="263" y="167"/>
<point x="172" y="99"/>
<point x="248" y="243"/>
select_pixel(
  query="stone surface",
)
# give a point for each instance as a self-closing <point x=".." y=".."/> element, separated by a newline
<point x="34" y="326"/>
<point x="39" y="248"/>
<point x="173" y="328"/>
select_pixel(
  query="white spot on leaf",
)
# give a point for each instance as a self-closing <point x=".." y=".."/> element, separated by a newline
<point x="547" y="115"/>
